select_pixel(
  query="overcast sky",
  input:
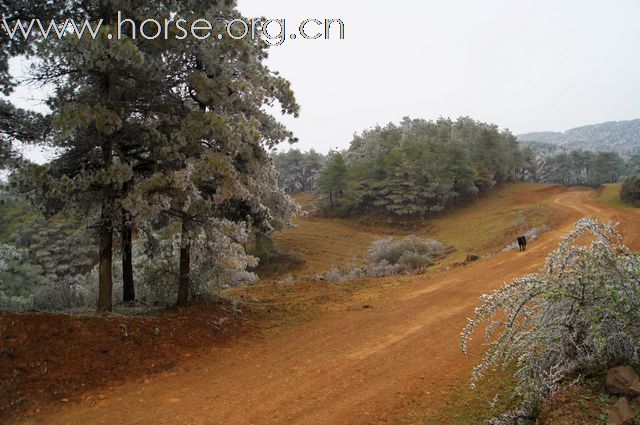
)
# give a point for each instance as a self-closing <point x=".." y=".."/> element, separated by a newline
<point x="526" y="65"/>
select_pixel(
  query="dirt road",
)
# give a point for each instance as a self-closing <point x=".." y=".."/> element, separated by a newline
<point x="347" y="367"/>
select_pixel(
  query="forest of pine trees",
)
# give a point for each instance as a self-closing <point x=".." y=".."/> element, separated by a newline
<point x="162" y="169"/>
<point x="420" y="166"/>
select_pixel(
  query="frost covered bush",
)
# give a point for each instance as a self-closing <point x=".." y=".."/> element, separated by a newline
<point x="13" y="302"/>
<point x="218" y="261"/>
<point x="580" y="312"/>
<point x="17" y="274"/>
<point x="68" y="292"/>
<point x="333" y="275"/>
<point x="383" y="268"/>
<point x="388" y="257"/>
<point x="408" y="251"/>
<point x="414" y="260"/>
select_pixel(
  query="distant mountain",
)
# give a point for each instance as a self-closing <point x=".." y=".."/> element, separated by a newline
<point x="618" y="136"/>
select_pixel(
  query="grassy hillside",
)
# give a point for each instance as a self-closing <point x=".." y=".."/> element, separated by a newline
<point x="482" y="226"/>
<point x="610" y="194"/>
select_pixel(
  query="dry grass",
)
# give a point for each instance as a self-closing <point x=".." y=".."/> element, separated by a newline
<point x="483" y="225"/>
<point x="493" y="221"/>
<point x="469" y="407"/>
<point x="610" y="194"/>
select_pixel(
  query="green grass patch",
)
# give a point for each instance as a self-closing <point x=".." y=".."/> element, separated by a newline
<point x="473" y="406"/>
<point x="610" y="195"/>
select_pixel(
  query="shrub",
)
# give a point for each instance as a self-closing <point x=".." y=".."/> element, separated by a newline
<point x="580" y="312"/>
<point x="333" y="275"/>
<point x="218" y="261"/>
<point x="41" y="267"/>
<point x="411" y="246"/>
<point x="414" y="261"/>
<point x="630" y="190"/>
<point x="388" y="257"/>
<point x="67" y="292"/>
<point x="13" y="303"/>
<point x="383" y="268"/>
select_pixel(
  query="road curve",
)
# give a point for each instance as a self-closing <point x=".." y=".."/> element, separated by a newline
<point x="347" y="367"/>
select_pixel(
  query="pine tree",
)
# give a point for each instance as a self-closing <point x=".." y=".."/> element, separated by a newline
<point x="332" y="180"/>
<point x="418" y="166"/>
<point x="298" y="171"/>
<point x="19" y="125"/>
<point x="104" y="91"/>
<point x="211" y="162"/>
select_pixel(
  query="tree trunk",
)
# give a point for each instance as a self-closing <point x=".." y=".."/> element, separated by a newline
<point x="105" y="280"/>
<point x="128" y="288"/>
<point x="185" y="260"/>
<point x="331" y="199"/>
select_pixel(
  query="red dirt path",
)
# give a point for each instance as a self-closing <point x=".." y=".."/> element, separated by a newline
<point x="359" y="366"/>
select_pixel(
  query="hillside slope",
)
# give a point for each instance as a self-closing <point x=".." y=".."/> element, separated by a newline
<point x="618" y="136"/>
<point x="483" y="225"/>
<point x="353" y="364"/>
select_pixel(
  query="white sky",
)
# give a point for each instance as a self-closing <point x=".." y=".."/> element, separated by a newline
<point x="526" y="65"/>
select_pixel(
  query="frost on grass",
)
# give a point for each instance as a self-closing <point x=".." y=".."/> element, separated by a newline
<point x="388" y="257"/>
<point x="579" y="313"/>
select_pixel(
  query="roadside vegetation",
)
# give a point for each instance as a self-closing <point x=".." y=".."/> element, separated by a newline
<point x="630" y="190"/>
<point x="161" y="170"/>
<point x="385" y="167"/>
<point x="389" y="257"/>
<point x="575" y="317"/>
<point x="323" y="243"/>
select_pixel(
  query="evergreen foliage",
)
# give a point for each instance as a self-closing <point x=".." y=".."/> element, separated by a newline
<point x="41" y="259"/>
<point x="579" y="313"/>
<point x="17" y="125"/>
<point x="158" y="136"/>
<point x="298" y="171"/>
<point x="582" y="168"/>
<point x="630" y="190"/>
<point x="418" y="166"/>
<point x="332" y="179"/>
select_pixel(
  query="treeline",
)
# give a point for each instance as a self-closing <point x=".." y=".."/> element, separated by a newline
<point x="298" y="171"/>
<point x="163" y="156"/>
<point x="418" y="166"/>
<point x="584" y="167"/>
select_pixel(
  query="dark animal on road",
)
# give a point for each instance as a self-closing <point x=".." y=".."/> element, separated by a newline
<point x="522" y="243"/>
